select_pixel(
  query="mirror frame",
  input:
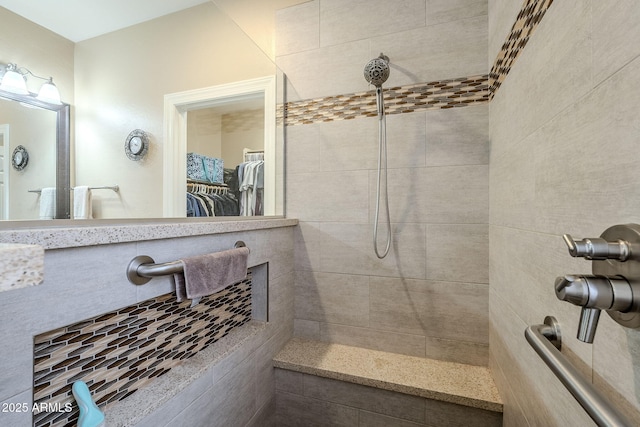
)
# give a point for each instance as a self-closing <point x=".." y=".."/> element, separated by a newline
<point x="63" y="149"/>
<point x="176" y="107"/>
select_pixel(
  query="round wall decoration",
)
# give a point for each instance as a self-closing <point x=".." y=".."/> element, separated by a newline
<point x="19" y="158"/>
<point x="136" y="145"/>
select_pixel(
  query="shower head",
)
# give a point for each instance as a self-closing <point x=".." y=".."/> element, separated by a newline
<point x="376" y="71"/>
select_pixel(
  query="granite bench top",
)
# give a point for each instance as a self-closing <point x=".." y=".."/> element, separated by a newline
<point x="450" y="382"/>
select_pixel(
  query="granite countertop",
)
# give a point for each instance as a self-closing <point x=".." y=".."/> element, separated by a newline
<point x="20" y="266"/>
<point x="65" y="233"/>
<point x="433" y="379"/>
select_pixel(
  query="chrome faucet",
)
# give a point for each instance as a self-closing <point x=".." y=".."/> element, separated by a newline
<point x="615" y="283"/>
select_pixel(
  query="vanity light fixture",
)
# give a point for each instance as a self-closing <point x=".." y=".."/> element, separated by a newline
<point x="14" y="80"/>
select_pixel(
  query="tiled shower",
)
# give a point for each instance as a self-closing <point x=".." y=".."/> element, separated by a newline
<point x="510" y="123"/>
<point x="413" y="302"/>
<point x="480" y="194"/>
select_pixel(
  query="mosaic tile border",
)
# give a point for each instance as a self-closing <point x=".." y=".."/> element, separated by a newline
<point x="439" y="94"/>
<point x="458" y="92"/>
<point x="119" y="352"/>
<point x="526" y="23"/>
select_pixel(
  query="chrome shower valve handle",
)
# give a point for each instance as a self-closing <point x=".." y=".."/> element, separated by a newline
<point x="598" y="248"/>
<point x="615" y="283"/>
<point x="595" y="293"/>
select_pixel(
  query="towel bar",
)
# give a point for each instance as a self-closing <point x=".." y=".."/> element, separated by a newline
<point x="115" y="188"/>
<point x="142" y="268"/>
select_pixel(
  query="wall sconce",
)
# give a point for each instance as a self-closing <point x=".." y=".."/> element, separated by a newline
<point x="14" y="80"/>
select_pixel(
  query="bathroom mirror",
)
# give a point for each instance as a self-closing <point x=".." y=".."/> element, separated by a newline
<point x="189" y="49"/>
<point x="34" y="155"/>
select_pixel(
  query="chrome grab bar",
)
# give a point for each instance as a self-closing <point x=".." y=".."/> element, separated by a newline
<point x="546" y="341"/>
<point x="142" y="268"/>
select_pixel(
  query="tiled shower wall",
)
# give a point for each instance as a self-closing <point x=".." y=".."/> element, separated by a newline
<point x="564" y="129"/>
<point x="429" y="297"/>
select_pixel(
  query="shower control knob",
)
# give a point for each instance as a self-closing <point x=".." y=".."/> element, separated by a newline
<point x="603" y="292"/>
<point x="594" y="293"/>
<point x="597" y="248"/>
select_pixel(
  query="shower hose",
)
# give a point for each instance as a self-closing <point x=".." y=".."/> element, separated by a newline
<point x="382" y="162"/>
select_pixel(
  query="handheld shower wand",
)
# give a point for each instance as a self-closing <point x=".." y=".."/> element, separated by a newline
<point x="376" y="72"/>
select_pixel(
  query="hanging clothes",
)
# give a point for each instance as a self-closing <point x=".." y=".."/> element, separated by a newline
<point x="204" y="199"/>
<point x="251" y="178"/>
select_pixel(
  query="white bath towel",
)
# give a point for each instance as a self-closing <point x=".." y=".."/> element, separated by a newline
<point x="82" y="206"/>
<point x="48" y="203"/>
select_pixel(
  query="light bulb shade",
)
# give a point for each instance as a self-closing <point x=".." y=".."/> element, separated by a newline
<point x="49" y="93"/>
<point x="14" y="82"/>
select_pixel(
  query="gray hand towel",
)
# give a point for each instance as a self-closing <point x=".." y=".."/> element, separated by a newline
<point x="207" y="274"/>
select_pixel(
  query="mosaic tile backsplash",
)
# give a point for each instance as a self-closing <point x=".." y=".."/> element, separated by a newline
<point x="119" y="352"/>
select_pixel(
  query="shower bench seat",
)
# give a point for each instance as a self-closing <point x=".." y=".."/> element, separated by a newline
<point x="345" y="385"/>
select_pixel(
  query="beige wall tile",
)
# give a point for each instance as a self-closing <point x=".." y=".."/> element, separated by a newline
<point x="333" y="298"/>
<point x="341" y="21"/>
<point x="449" y="414"/>
<point x="392" y="342"/>
<point x="264" y="371"/>
<point x="281" y="300"/>
<point x="512" y="183"/>
<point x="297" y="28"/>
<point x="553" y="72"/>
<point x="457" y="311"/>
<point x="271" y="246"/>
<point x="289" y="381"/>
<point x="371" y="419"/>
<point x="331" y="70"/>
<point x="458" y="136"/>
<point x="169" y="410"/>
<point x="293" y="410"/>
<point x="343" y="145"/>
<point x="306" y="242"/>
<point x="439" y="11"/>
<point x="231" y="401"/>
<point x="602" y="129"/>
<point x="265" y="416"/>
<point x="348" y="248"/>
<point x="458" y="253"/>
<point x="470" y="353"/>
<point x="446" y="194"/>
<point x="368" y="398"/>
<point x="420" y="55"/>
<point x="615" y="28"/>
<point x="307" y="329"/>
<point x="512" y="413"/>
<point x="328" y="196"/>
